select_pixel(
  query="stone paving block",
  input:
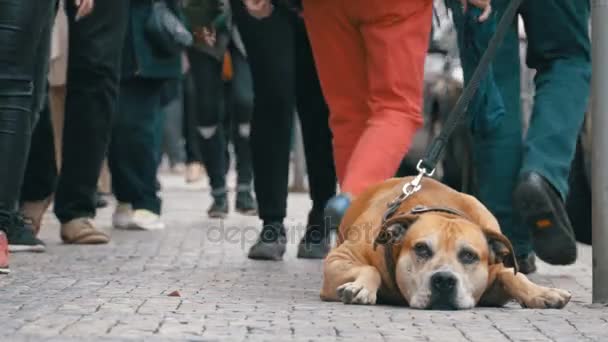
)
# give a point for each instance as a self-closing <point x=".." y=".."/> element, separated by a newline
<point x="118" y="292"/>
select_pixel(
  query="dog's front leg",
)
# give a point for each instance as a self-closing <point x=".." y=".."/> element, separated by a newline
<point x="530" y="295"/>
<point x="349" y="281"/>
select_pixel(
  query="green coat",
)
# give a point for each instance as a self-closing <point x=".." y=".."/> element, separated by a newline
<point x="139" y="57"/>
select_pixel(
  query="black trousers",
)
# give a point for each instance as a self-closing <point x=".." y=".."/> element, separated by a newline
<point x="238" y="107"/>
<point x="223" y="114"/>
<point x="24" y="39"/>
<point x="193" y="152"/>
<point x="39" y="185"/>
<point x="209" y="89"/>
<point x="136" y="143"/>
<point x="96" y="43"/>
<point x="282" y="66"/>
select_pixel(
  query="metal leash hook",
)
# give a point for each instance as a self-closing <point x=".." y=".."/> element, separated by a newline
<point x="415" y="185"/>
<point x="408" y="190"/>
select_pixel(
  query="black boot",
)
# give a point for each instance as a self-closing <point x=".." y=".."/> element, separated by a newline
<point x="316" y="241"/>
<point x="526" y="263"/>
<point x="219" y="208"/>
<point x="271" y="243"/>
<point x="246" y="204"/>
<point x="542" y="210"/>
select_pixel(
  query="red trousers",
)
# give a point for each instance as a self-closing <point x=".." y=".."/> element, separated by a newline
<point x="370" y="58"/>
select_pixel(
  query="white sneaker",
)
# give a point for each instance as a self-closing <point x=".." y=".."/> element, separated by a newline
<point x="123" y="216"/>
<point x="146" y="220"/>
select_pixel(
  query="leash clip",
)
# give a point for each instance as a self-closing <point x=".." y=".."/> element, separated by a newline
<point x="415" y="185"/>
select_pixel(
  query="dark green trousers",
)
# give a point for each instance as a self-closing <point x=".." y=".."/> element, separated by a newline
<point x="559" y="51"/>
<point x="136" y="143"/>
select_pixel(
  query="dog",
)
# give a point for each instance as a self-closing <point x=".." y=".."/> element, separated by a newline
<point x="440" y="250"/>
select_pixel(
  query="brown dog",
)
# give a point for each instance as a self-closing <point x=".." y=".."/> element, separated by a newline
<point x="440" y="250"/>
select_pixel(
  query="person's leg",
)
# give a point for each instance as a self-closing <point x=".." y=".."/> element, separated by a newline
<point x="135" y="146"/>
<point x="92" y="90"/>
<point x="314" y="118"/>
<point x="560" y="54"/>
<point x="25" y="34"/>
<point x="343" y="75"/>
<point x="396" y="37"/>
<point x="270" y="51"/>
<point x="240" y="109"/>
<point x="194" y="160"/>
<point x="41" y="172"/>
<point x="498" y="151"/>
<point x="172" y="134"/>
<point x="207" y="75"/>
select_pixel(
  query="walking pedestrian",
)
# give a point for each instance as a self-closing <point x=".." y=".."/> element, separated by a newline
<point x="25" y="37"/>
<point x="284" y="78"/>
<point x="524" y="182"/>
<point x="136" y="145"/>
<point x="213" y="26"/>
<point x="95" y="44"/>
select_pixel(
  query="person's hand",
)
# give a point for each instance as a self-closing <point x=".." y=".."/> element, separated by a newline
<point x="85" y="7"/>
<point x="209" y="36"/>
<point x="483" y="4"/>
<point x="259" y="8"/>
<point x="206" y="35"/>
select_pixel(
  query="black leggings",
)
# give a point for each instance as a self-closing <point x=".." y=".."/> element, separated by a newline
<point x="279" y="55"/>
<point x="24" y="36"/>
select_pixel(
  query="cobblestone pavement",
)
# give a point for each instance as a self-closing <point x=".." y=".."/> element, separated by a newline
<point x="120" y="291"/>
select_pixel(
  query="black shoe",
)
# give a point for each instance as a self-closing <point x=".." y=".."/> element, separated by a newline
<point x="540" y="208"/>
<point x="316" y="241"/>
<point x="219" y="208"/>
<point x="271" y="243"/>
<point x="246" y="204"/>
<point x="526" y="263"/>
<point x="20" y="234"/>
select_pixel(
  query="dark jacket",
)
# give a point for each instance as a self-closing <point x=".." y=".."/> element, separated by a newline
<point x="140" y="59"/>
<point x="210" y="13"/>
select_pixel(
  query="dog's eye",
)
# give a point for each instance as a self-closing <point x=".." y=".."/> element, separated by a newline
<point x="468" y="257"/>
<point x="423" y="250"/>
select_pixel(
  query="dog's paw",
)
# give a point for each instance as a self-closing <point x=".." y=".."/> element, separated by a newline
<point x="547" y="298"/>
<point x="356" y="293"/>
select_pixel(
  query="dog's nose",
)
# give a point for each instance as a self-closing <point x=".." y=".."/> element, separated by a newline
<point x="443" y="281"/>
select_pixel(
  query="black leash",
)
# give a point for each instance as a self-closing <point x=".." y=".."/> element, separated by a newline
<point x="435" y="150"/>
<point x="427" y="165"/>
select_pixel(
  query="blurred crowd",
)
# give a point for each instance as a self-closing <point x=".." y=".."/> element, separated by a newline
<point x="95" y="94"/>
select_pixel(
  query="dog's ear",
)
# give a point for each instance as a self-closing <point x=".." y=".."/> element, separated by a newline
<point x="394" y="230"/>
<point x="501" y="250"/>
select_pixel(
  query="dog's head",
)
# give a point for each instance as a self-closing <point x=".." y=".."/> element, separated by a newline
<point x="443" y="261"/>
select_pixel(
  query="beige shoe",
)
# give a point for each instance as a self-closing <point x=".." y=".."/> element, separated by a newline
<point x="82" y="231"/>
<point x="179" y="169"/>
<point x="34" y="212"/>
<point x="143" y="219"/>
<point x="123" y="215"/>
<point x="194" y="172"/>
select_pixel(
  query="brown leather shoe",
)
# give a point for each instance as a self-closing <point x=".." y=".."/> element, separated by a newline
<point x="82" y="231"/>
<point x="34" y="212"/>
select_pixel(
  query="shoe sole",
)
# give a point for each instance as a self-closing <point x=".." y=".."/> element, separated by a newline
<point x="247" y="212"/>
<point x="5" y="270"/>
<point x="217" y="215"/>
<point x="272" y="252"/>
<point x="26" y="248"/>
<point x="552" y="235"/>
